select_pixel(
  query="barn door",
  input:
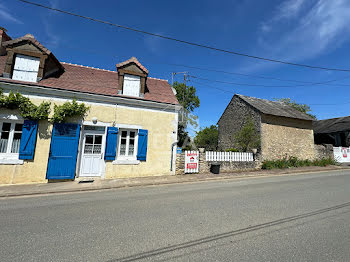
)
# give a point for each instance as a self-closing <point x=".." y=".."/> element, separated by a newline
<point x="63" y="151"/>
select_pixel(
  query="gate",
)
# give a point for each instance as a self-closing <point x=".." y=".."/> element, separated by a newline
<point x="63" y="151"/>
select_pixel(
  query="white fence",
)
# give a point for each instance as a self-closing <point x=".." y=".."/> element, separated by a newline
<point x="229" y="156"/>
<point x="342" y="154"/>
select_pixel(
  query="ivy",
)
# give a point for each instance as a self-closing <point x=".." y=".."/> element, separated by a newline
<point x="69" y="109"/>
<point x="26" y="108"/>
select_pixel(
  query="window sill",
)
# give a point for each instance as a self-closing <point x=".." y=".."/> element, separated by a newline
<point x="126" y="162"/>
<point x="11" y="161"/>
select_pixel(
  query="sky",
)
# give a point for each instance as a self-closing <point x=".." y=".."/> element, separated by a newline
<point x="313" y="32"/>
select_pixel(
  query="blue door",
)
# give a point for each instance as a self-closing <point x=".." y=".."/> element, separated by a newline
<point x="63" y="151"/>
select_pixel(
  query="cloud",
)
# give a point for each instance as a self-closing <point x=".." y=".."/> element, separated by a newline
<point x="6" y="15"/>
<point x="301" y="30"/>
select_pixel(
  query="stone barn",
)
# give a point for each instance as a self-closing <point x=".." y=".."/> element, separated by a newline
<point x="284" y="131"/>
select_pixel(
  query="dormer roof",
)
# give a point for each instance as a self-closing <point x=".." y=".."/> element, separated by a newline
<point x="132" y="60"/>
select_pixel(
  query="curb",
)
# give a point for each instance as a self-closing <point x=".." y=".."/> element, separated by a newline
<point x="194" y="180"/>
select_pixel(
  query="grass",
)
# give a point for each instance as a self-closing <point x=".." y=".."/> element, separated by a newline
<point x="295" y="162"/>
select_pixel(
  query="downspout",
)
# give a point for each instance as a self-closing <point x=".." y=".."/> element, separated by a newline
<point x="172" y="155"/>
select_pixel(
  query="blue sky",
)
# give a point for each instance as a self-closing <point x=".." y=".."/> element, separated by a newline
<point x="314" y="32"/>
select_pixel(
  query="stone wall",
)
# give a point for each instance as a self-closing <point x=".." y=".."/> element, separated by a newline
<point x="324" y="151"/>
<point x="233" y="119"/>
<point x="204" y="166"/>
<point x="284" y="137"/>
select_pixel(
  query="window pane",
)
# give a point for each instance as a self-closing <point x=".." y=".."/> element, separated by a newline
<point x="122" y="147"/>
<point x="88" y="149"/>
<point x="18" y="127"/>
<point x="124" y="134"/>
<point x="89" y="139"/>
<point x="98" y="140"/>
<point x="97" y="149"/>
<point x="6" y="126"/>
<point x="132" y="134"/>
<point x="3" y="145"/>
<point x="131" y="147"/>
<point x="16" y="142"/>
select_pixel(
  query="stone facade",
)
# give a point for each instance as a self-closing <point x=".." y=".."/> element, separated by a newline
<point x="324" y="151"/>
<point x="284" y="137"/>
<point x="204" y="166"/>
<point x="234" y="117"/>
<point x="280" y="136"/>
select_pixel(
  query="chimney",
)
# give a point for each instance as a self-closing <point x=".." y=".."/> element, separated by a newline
<point x="3" y="38"/>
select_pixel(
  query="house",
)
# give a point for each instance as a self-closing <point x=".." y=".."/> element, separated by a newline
<point x="130" y="129"/>
<point x="335" y="131"/>
<point x="284" y="131"/>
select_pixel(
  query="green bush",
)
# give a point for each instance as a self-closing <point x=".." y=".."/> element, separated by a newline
<point x="295" y="162"/>
<point x="232" y="150"/>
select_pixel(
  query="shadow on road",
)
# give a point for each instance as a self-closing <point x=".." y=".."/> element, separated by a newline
<point x="208" y="239"/>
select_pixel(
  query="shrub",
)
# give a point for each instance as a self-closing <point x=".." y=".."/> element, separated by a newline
<point x="295" y="162"/>
<point x="232" y="150"/>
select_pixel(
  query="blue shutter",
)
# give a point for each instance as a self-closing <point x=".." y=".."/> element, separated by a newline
<point x="111" y="143"/>
<point x="28" y="139"/>
<point x="142" y="146"/>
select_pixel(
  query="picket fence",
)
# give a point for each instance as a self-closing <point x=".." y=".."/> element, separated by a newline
<point x="229" y="156"/>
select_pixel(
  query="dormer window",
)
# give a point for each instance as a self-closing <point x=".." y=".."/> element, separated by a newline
<point x="26" y="68"/>
<point x="132" y="85"/>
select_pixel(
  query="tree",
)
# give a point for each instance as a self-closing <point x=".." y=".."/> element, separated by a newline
<point x="304" y="108"/>
<point x="247" y="138"/>
<point x="186" y="95"/>
<point x="207" y="138"/>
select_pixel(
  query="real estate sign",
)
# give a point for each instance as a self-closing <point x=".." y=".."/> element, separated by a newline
<point x="342" y="154"/>
<point x="191" y="161"/>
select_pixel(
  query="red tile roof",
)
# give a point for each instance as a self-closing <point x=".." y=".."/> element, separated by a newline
<point x="98" y="81"/>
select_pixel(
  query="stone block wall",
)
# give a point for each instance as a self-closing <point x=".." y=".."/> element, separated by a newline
<point x="204" y="166"/>
<point x="236" y="114"/>
<point x="285" y="137"/>
<point x="324" y="151"/>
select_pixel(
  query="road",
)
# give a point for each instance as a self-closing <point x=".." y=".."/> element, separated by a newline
<point x="286" y="218"/>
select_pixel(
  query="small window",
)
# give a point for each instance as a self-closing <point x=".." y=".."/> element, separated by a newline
<point x="10" y="138"/>
<point x="127" y="144"/>
<point x="26" y="68"/>
<point x="132" y="85"/>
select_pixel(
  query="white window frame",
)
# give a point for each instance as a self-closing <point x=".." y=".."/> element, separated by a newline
<point x="127" y="78"/>
<point x="8" y="157"/>
<point x="24" y="70"/>
<point x="136" y="139"/>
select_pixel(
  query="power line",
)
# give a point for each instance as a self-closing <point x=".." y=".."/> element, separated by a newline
<point x="219" y="71"/>
<point x="185" y="42"/>
<point x="258" y="85"/>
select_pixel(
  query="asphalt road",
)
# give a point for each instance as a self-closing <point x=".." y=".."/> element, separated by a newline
<point x="287" y="218"/>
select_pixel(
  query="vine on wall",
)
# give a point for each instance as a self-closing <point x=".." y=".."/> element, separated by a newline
<point x="69" y="109"/>
<point x="26" y="107"/>
<point x="29" y="110"/>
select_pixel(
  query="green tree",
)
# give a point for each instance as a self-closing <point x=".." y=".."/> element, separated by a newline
<point x="247" y="138"/>
<point x="186" y="95"/>
<point x="304" y="108"/>
<point x="207" y="138"/>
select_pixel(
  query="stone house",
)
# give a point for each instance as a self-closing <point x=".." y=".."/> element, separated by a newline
<point x="334" y="131"/>
<point x="284" y="131"/>
<point x="130" y="129"/>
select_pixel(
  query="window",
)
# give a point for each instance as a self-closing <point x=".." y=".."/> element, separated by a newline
<point x="127" y="144"/>
<point x="131" y="86"/>
<point x="10" y="138"/>
<point x="26" y="68"/>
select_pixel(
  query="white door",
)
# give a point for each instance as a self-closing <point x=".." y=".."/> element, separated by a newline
<point x="92" y="153"/>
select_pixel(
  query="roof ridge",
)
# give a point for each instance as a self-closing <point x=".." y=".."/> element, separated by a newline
<point x="90" y="67"/>
<point x="158" y="78"/>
